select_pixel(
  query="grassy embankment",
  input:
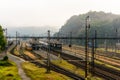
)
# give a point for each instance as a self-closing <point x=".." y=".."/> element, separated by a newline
<point x="8" y="71"/>
<point x="16" y="51"/>
<point x="74" y="69"/>
<point x="107" y="65"/>
<point x="37" y="73"/>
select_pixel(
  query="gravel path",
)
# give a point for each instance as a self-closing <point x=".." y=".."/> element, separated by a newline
<point x="18" y="62"/>
<point x="2" y="54"/>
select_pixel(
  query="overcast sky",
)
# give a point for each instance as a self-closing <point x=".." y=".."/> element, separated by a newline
<point x="15" y="13"/>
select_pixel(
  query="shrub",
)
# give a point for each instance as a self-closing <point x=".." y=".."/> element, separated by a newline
<point x="5" y="58"/>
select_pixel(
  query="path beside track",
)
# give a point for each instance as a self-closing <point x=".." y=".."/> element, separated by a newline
<point x="18" y="62"/>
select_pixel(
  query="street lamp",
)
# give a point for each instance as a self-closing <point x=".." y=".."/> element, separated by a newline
<point x="87" y="26"/>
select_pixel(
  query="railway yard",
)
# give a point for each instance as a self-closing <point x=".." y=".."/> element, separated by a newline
<point x="60" y="40"/>
<point x="68" y="62"/>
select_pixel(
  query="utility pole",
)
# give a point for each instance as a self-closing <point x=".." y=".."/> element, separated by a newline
<point x="58" y="36"/>
<point x="6" y="47"/>
<point x="92" y="58"/>
<point x="6" y="35"/>
<point x="105" y="43"/>
<point x="87" y="26"/>
<point x="5" y="30"/>
<point x="6" y="41"/>
<point x="70" y="45"/>
<point x="94" y="46"/>
<point x="16" y="38"/>
<point x="48" y="54"/>
<point x="18" y="35"/>
<point x="96" y="40"/>
<point x="116" y="40"/>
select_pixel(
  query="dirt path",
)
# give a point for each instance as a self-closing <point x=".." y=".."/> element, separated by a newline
<point x="2" y="54"/>
<point x="18" y="62"/>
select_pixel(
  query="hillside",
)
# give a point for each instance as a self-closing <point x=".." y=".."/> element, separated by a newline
<point x="104" y="23"/>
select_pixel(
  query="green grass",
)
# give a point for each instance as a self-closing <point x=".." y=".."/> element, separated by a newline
<point x="8" y="71"/>
<point x="36" y="73"/>
<point x="16" y="52"/>
<point x="107" y="65"/>
<point x="74" y="69"/>
<point x="68" y="66"/>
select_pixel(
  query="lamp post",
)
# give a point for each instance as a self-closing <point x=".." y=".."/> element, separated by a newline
<point x="87" y="26"/>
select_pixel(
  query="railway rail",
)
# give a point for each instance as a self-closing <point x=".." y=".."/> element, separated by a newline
<point x="80" y="63"/>
<point x="64" y="71"/>
<point x="99" y="58"/>
<point x="105" y="72"/>
<point x="52" y="66"/>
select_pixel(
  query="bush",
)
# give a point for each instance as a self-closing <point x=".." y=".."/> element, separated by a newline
<point x="5" y="63"/>
<point x="5" y="58"/>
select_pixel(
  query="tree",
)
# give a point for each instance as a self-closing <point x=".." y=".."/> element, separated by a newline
<point x="2" y="39"/>
<point x="104" y="23"/>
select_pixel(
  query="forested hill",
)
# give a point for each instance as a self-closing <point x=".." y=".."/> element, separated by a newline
<point x="104" y="23"/>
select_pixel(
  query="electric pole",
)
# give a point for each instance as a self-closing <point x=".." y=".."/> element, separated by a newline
<point x="6" y="35"/>
<point x="105" y="43"/>
<point x="87" y="26"/>
<point x="94" y="46"/>
<point x="70" y="45"/>
<point x="48" y="54"/>
<point x="116" y="40"/>
<point x="58" y="36"/>
<point x="16" y="38"/>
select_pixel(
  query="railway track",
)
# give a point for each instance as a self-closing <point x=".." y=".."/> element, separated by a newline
<point x="99" y="56"/>
<point x="116" y="72"/>
<point x="81" y="64"/>
<point x="112" y="76"/>
<point x="64" y="71"/>
<point x="100" y="53"/>
<point x="52" y="66"/>
<point x="104" y="72"/>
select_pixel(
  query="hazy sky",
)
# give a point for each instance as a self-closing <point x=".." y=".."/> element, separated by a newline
<point x="49" y="12"/>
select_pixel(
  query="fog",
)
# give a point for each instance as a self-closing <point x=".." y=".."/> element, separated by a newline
<point x="16" y="13"/>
